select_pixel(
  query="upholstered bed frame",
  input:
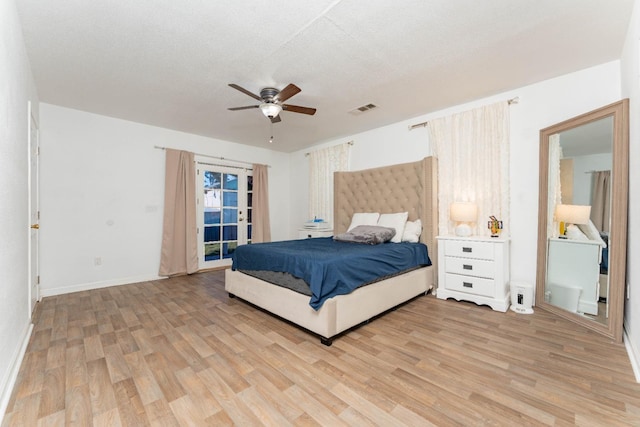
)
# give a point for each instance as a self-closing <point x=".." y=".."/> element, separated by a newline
<point x="410" y="187"/>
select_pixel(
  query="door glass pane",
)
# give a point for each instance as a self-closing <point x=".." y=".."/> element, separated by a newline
<point x="249" y="200"/>
<point x="230" y="198"/>
<point x="228" y="249"/>
<point x="230" y="181"/>
<point x="249" y="214"/>
<point x="211" y="251"/>
<point x="212" y="180"/>
<point x="211" y="234"/>
<point x="230" y="215"/>
<point x="250" y="183"/>
<point x="230" y="232"/>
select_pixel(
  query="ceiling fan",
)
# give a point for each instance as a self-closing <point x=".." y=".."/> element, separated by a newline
<point x="271" y="101"/>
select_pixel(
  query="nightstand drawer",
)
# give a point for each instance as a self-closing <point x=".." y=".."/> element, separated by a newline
<point x="310" y="233"/>
<point x="470" y="285"/>
<point x="469" y="249"/>
<point x="470" y="267"/>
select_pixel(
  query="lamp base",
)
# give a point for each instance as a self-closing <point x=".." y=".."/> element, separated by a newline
<point x="463" y="230"/>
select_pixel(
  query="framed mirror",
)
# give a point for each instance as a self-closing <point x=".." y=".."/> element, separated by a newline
<point x="582" y="218"/>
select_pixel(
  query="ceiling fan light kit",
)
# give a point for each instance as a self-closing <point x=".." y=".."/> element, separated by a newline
<point x="270" y="110"/>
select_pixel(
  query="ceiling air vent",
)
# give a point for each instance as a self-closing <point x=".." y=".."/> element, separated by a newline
<point x="363" y="109"/>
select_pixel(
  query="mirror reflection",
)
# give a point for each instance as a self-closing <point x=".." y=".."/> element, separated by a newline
<point x="578" y="220"/>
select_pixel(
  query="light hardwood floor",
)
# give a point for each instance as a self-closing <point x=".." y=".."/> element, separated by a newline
<point x="180" y="352"/>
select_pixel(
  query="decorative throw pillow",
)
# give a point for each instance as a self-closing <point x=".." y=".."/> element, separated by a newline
<point x="367" y="234"/>
<point x="395" y="221"/>
<point x="363" y="218"/>
<point x="592" y="233"/>
<point x="412" y="231"/>
<point x="574" y="233"/>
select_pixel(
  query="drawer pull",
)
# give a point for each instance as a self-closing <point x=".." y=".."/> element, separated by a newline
<point x="465" y="249"/>
<point x="467" y="284"/>
<point x="467" y="267"/>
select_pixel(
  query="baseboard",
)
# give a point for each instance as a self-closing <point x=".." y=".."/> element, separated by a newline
<point x="634" y="355"/>
<point x="97" y="285"/>
<point x="12" y="373"/>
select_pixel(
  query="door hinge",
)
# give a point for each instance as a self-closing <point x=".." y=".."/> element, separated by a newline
<point x="38" y="280"/>
<point x="38" y="215"/>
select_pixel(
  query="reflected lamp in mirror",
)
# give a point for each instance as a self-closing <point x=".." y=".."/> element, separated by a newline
<point x="464" y="214"/>
<point x="568" y="215"/>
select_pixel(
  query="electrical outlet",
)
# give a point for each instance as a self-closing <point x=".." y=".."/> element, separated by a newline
<point x="97" y="261"/>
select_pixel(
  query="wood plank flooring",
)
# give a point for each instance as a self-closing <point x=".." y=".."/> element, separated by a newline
<point x="179" y="352"/>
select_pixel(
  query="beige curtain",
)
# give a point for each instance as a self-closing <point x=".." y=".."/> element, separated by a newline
<point x="473" y="164"/>
<point x="179" y="243"/>
<point x="601" y="203"/>
<point x="260" y="219"/>
<point x="322" y="164"/>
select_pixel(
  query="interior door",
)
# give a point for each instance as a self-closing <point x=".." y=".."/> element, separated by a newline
<point x="224" y="213"/>
<point x="34" y="211"/>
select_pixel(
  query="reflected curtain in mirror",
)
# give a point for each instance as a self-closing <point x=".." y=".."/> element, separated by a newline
<point x="179" y="254"/>
<point x="555" y="187"/>
<point x="261" y="231"/>
<point x="601" y="202"/>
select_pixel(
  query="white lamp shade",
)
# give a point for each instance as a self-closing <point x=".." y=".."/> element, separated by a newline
<point x="270" y="109"/>
<point x="573" y="214"/>
<point x="463" y="212"/>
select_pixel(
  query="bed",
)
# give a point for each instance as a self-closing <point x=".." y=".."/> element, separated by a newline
<point x="410" y="187"/>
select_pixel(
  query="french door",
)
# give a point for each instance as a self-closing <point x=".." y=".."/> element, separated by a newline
<point x="224" y="205"/>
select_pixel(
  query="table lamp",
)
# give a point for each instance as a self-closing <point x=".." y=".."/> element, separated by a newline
<point x="463" y="213"/>
<point x="567" y="215"/>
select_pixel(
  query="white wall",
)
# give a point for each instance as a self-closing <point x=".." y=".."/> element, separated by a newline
<point x="540" y="105"/>
<point x="16" y="90"/>
<point x="102" y="195"/>
<point x="630" y="67"/>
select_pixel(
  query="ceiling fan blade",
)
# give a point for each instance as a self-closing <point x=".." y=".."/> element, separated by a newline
<point x="243" y="90"/>
<point x="276" y="119"/>
<point x="287" y="92"/>
<point x="243" y="108"/>
<point x="298" y="109"/>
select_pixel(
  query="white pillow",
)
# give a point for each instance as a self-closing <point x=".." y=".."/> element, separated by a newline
<point x="592" y="233"/>
<point x="574" y="233"/>
<point x="412" y="231"/>
<point x="363" y="218"/>
<point x="394" y="220"/>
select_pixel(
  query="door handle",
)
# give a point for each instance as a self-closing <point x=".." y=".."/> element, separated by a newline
<point x="240" y="219"/>
<point x="35" y="226"/>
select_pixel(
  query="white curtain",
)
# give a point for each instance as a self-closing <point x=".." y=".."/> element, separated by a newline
<point x="322" y="164"/>
<point x="555" y="189"/>
<point x="473" y="164"/>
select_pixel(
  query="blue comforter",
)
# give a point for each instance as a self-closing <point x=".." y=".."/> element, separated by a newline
<point x="330" y="267"/>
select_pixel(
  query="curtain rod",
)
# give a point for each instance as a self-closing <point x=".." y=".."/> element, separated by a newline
<point x="213" y="157"/>
<point x="349" y="142"/>
<point x="424" y="124"/>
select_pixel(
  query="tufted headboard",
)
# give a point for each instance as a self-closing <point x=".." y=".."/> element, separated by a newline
<point x="411" y="187"/>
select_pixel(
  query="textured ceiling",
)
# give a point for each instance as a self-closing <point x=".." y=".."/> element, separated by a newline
<point x="168" y="62"/>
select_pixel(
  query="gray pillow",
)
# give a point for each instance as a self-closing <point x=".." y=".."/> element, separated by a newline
<point x="367" y="234"/>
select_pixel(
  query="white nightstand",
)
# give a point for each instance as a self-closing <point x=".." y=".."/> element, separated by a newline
<point x="474" y="269"/>
<point x="304" y="233"/>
